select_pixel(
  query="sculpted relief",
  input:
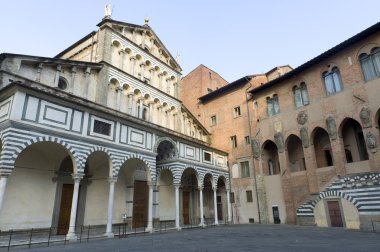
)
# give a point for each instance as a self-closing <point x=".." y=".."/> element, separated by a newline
<point x="365" y="117"/>
<point x="279" y="140"/>
<point x="331" y="127"/>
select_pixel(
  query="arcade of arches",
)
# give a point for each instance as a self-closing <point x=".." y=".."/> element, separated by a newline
<point x="45" y="189"/>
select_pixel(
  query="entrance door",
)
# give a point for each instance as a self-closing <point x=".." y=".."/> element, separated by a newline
<point x="334" y="212"/>
<point x="276" y="215"/>
<point x="219" y="207"/>
<point x="65" y="209"/>
<point x="185" y="207"/>
<point x="140" y="204"/>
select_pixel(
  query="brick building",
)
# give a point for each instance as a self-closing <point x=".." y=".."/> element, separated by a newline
<point x="314" y="138"/>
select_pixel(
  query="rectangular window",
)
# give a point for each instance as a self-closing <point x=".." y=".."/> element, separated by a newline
<point x="213" y="120"/>
<point x="237" y="112"/>
<point x="249" y="196"/>
<point x="247" y="140"/>
<point x="244" y="169"/>
<point x="207" y="156"/>
<point x="233" y="142"/>
<point x="232" y="197"/>
<point x="102" y="128"/>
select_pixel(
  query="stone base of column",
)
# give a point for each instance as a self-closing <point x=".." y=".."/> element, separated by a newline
<point x="149" y="229"/>
<point x="71" y="236"/>
<point x="178" y="228"/>
<point x="202" y="225"/>
<point x="109" y="235"/>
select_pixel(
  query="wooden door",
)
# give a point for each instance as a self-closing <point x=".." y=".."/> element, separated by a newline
<point x="335" y="215"/>
<point x="140" y="204"/>
<point x="219" y="207"/>
<point x="186" y="207"/>
<point x="65" y="209"/>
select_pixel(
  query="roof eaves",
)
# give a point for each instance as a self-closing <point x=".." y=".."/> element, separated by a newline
<point x="343" y="45"/>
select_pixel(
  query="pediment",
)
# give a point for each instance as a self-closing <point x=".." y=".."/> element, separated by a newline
<point x="144" y="37"/>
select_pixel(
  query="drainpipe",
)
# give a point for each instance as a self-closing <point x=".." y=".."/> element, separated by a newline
<point x="253" y="160"/>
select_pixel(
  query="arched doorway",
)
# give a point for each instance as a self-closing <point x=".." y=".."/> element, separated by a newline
<point x="296" y="156"/>
<point x="322" y="148"/>
<point x="221" y="200"/>
<point x="132" y="192"/>
<point x="208" y="199"/>
<point x="189" y="185"/>
<point x="40" y="189"/>
<point x="269" y="158"/>
<point x="353" y="139"/>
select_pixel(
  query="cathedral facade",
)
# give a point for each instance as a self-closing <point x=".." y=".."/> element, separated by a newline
<point x="98" y="135"/>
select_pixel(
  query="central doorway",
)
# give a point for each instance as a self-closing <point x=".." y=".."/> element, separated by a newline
<point x="140" y="204"/>
<point x="185" y="207"/>
<point x="335" y="214"/>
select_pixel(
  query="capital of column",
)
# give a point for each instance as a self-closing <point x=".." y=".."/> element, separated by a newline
<point x="200" y="188"/>
<point x="118" y="89"/>
<point x="168" y="79"/>
<point x="141" y="99"/>
<point x="151" y="183"/>
<point x="121" y="51"/>
<point x="177" y="185"/>
<point x="4" y="174"/>
<point x="73" y="69"/>
<point x="160" y="74"/>
<point x="151" y="69"/>
<point x="132" y="58"/>
<point x="59" y="68"/>
<point x="112" y="180"/>
<point x="142" y="64"/>
<point x="159" y="106"/>
<point x="77" y="176"/>
<point x="131" y="94"/>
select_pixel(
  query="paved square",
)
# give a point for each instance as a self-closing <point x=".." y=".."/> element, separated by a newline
<point x="237" y="238"/>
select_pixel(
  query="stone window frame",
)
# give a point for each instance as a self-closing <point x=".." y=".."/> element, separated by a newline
<point x="247" y="140"/>
<point x="249" y="196"/>
<point x="334" y="75"/>
<point x="373" y="61"/>
<point x="213" y="120"/>
<point x="273" y="105"/>
<point x="244" y="170"/>
<point x="236" y="112"/>
<point x="300" y="95"/>
<point x="233" y="140"/>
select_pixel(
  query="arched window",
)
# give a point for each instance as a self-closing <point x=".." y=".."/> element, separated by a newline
<point x="273" y="106"/>
<point x="304" y="94"/>
<point x="276" y="105"/>
<point x="370" y="64"/>
<point x="269" y="106"/>
<point x="333" y="82"/>
<point x="297" y="96"/>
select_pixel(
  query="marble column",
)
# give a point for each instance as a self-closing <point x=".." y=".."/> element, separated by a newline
<point x="130" y="103"/>
<point x="229" y="210"/>
<point x="215" y="207"/>
<point x="57" y="75"/>
<point x="168" y="113"/>
<point x="119" y="92"/>
<point x="174" y="121"/>
<point x="151" y="110"/>
<point x="177" y="205"/>
<point x="3" y="185"/>
<point x="168" y="83"/>
<point x="121" y="53"/>
<point x="159" y="114"/>
<point x="201" y="206"/>
<point x="71" y="233"/>
<point x="150" y="207"/>
<point x="141" y="107"/>
<point x="142" y="67"/>
<point x="160" y="81"/>
<point x="151" y="72"/>
<point x="133" y="62"/>
<point x="111" y="197"/>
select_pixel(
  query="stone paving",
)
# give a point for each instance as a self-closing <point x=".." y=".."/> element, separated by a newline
<point x="234" y="238"/>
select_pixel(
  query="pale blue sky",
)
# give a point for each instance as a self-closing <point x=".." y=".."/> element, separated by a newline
<point x="234" y="38"/>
